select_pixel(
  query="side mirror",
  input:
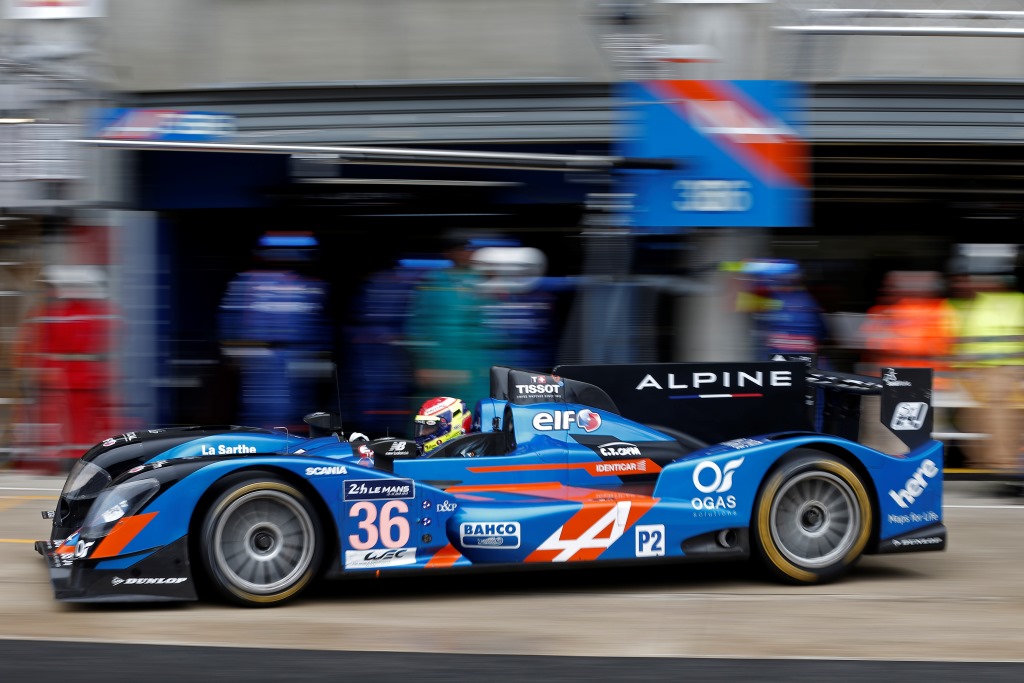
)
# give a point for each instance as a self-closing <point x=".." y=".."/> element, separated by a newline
<point x="323" y="424"/>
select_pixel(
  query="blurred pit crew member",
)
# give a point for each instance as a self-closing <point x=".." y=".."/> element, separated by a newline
<point x="379" y="361"/>
<point x="518" y="305"/>
<point x="989" y="352"/>
<point x="67" y="348"/>
<point x="451" y="351"/>
<point x="912" y="325"/>
<point x="785" y="317"/>
<point x="274" y="328"/>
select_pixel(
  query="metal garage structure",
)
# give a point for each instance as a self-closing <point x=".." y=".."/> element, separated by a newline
<point x="890" y="142"/>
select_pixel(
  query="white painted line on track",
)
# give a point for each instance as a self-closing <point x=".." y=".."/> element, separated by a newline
<point x="27" y="488"/>
<point x="983" y="507"/>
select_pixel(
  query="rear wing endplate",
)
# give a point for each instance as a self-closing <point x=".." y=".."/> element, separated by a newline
<point x="906" y="402"/>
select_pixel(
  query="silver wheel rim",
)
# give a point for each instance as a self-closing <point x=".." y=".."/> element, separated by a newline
<point x="815" y="519"/>
<point x="263" y="542"/>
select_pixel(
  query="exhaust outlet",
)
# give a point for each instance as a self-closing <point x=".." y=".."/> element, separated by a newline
<point x="726" y="538"/>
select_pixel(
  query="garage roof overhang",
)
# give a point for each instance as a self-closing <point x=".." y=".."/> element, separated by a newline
<point x="403" y="156"/>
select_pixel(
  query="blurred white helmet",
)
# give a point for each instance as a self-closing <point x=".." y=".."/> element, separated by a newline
<point x="509" y="269"/>
<point x="77" y="281"/>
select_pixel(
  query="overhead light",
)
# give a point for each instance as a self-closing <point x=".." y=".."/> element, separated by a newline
<point x="12" y="120"/>
<point x="408" y="181"/>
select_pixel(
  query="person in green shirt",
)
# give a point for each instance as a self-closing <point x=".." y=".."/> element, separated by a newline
<point x="450" y="348"/>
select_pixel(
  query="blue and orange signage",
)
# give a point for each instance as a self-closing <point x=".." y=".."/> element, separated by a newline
<point x="742" y="161"/>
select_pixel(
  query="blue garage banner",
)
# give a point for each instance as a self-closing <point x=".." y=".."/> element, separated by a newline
<point x="743" y="162"/>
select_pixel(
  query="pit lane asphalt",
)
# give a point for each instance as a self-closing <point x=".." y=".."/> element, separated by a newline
<point x="936" y="616"/>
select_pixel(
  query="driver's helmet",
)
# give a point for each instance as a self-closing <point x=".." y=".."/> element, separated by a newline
<point x="441" y="419"/>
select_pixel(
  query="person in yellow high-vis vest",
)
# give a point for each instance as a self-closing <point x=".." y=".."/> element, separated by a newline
<point x="989" y="350"/>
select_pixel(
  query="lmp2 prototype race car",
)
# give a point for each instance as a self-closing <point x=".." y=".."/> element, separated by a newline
<point x="587" y="464"/>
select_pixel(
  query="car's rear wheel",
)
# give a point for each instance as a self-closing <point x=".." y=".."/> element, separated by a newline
<point x="812" y="519"/>
<point x="261" y="541"/>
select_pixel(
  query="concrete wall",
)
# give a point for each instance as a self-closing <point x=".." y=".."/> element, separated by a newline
<point x="157" y="45"/>
<point x="154" y="44"/>
<point x="903" y="39"/>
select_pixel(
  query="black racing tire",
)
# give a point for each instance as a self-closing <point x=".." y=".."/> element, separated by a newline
<point x="261" y="541"/>
<point x="812" y="519"/>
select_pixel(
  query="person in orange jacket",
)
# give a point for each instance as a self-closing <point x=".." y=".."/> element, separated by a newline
<point x="913" y="325"/>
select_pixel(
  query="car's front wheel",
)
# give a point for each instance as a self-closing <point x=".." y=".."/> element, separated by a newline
<point x="812" y="519"/>
<point x="261" y="541"/>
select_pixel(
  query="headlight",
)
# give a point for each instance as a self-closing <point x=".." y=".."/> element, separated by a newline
<point x="123" y="500"/>
<point x="85" y="481"/>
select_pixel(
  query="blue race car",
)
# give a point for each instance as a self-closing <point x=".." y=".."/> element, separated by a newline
<point x="588" y="463"/>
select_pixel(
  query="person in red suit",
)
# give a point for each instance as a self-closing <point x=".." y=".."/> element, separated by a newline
<point x="66" y="349"/>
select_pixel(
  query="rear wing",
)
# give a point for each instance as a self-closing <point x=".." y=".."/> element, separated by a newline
<point x="721" y="401"/>
<point x="905" y="404"/>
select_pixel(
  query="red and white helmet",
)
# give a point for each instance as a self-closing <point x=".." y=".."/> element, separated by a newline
<point x="440" y="419"/>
